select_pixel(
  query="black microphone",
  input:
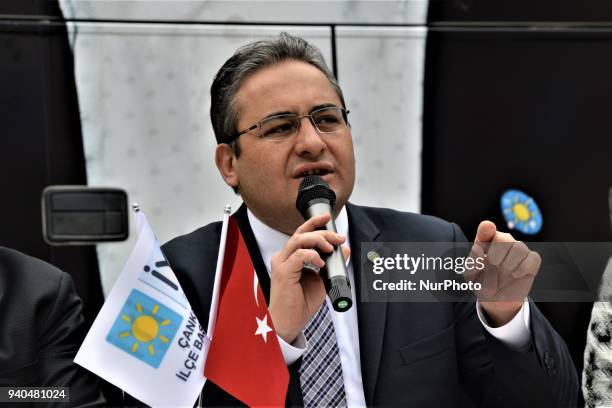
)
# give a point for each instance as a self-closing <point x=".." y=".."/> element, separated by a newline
<point x="316" y="198"/>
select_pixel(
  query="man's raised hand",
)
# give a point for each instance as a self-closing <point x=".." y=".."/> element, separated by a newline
<point x="510" y="268"/>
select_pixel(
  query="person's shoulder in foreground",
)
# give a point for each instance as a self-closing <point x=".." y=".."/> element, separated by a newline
<point x="41" y="329"/>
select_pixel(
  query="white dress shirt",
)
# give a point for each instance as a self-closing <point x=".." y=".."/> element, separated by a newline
<point x="515" y="334"/>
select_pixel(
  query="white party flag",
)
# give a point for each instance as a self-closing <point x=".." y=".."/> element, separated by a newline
<point x="146" y="339"/>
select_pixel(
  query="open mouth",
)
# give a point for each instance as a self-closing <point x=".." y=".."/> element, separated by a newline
<point x="314" y="172"/>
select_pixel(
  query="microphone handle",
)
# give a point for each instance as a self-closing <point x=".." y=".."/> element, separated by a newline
<point x="334" y="274"/>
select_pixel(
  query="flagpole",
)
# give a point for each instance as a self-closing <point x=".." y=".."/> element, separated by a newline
<point x="136" y="209"/>
<point x="214" y="304"/>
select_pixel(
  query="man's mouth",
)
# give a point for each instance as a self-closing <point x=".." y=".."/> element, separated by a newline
<point x="313" y="169"/>
<point x="314" y="172"/>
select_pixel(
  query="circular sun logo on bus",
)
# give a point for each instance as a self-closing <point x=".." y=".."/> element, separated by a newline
<point x="521" y="212"/>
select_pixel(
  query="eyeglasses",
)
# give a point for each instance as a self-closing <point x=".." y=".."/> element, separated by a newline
<point x="279" y="127"/>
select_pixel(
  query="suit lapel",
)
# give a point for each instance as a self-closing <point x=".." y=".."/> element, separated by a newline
<point x="371" y="316"/>
<point x="242" y="219"/>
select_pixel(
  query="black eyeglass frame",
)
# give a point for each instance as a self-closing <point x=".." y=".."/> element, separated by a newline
<point x="344" y="111"/>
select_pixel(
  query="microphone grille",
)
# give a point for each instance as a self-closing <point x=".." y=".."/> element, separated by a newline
<point x="312" y="188"/>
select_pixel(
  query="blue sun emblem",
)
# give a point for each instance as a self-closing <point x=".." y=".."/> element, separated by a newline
<point x="144" y="328"/>
<point x="521" y="212"/>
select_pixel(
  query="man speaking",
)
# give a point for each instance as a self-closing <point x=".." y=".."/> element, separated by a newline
<point x="279" y="115"/>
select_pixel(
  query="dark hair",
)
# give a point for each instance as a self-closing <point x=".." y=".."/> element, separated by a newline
<point x="247" y="60"/>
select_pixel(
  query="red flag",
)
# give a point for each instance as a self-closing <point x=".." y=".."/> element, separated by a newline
<point x="245" y="358"/>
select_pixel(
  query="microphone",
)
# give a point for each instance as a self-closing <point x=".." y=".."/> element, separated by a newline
<point x="316" y="198"/>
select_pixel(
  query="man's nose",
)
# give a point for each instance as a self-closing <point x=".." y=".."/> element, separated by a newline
<point x="308" y="140"/>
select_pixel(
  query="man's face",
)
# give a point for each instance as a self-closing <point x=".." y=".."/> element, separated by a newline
<point x="268" y="173"/>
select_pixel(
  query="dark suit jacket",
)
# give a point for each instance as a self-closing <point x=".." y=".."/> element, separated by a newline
<point x="41" y="329"/>
<point x="412" y="354"/>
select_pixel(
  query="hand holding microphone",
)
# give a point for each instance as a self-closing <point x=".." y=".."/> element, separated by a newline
<point x="296" y="293"/>
<point x="316" y="198"/>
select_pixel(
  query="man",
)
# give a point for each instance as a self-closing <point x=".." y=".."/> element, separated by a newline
<point x="41" y="328"/>
<point x="278" y="115"/>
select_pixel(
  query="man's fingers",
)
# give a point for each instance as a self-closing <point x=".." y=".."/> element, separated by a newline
<point x="323" y="240"/>
<point x="510" y="265"/>
<point x="517" y="254"/>
<point x="471" y="274"/>
<point x="301" y="257"/>
<point x="497" y="252"/>
<point x="485" y="233"/>
<point x="313" y="223"/>
<point x="529" y="266"/>
<point x="499" y="247"/>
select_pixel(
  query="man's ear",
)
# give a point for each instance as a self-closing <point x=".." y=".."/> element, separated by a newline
<point x="225" y="160"/>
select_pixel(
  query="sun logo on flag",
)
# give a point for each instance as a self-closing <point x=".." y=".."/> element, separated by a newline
<point x="521" y="212"/>
<point x="144" y="328"/>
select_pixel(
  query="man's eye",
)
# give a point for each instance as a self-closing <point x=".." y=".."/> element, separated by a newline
<point x="328" y="119"/>
<point x="278" y="129"/>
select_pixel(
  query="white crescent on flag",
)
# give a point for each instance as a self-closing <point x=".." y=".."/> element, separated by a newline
<point x="255" y="285"/>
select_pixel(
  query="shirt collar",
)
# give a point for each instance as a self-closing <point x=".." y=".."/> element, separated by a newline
<point x="271" y="241"/>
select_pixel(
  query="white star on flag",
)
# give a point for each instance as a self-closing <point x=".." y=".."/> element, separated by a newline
<point x="262" y="327"/>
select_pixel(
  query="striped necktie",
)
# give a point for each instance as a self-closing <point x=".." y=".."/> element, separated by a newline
<point x="321" y="370"/>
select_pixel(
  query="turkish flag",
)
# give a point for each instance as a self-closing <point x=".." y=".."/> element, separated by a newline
<point x="245" y="358"/>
